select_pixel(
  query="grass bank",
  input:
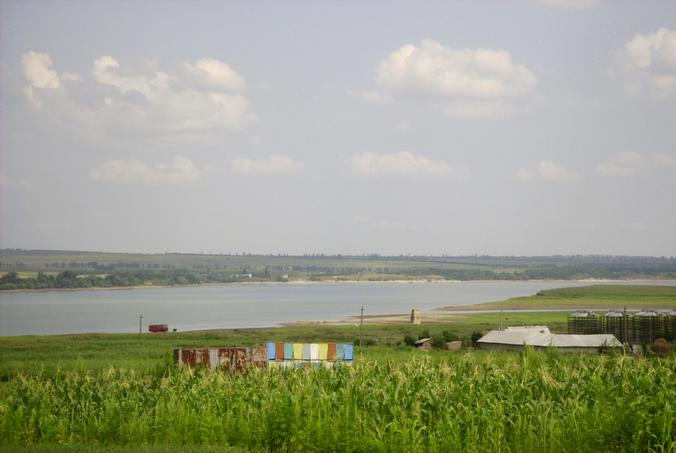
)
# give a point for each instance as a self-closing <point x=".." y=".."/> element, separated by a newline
<point x="601" y="297"/>
<point x="145" y="352"/>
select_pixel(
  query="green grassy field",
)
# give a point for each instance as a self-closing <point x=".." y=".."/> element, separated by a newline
<point x="28" y="274"/>
<point x="120" y="392"/>
<point x="590" y="297"/>
<point x="144" y="353"/>
<point x="471" y="401"/>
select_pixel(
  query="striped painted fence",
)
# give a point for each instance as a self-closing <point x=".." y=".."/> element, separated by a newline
<point x="300" y="355"/>
<point x="272" y="355"/>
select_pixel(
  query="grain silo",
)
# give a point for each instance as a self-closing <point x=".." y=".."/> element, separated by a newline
<point x="669" y="322"/>
<point x="584" y="322"/>
<point x="647" y="327"/>
<point x="618" y="323"/>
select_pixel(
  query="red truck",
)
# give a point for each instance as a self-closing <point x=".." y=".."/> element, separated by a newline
<point x="158" y="328"/>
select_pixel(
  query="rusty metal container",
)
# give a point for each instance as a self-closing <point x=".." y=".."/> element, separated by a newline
<point x="158" y="328"/>
<point x="192" y="357"/>
<point x="229" y="359"/>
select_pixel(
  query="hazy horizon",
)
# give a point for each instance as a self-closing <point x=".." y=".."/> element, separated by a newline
<point x="320" y="254"/>
<point x="503" y="128"/>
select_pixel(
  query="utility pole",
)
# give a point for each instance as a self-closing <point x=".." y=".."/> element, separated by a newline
<point x="361" y="326"/>
<point x="140" y="323"/>
<point x="500" y="319"/>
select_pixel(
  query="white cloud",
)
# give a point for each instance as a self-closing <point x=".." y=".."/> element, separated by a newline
<point x="38" y="72"/>
<point x="264" y="165"/>
<point x="630" y="162"/>
<point x="546" y="171"/>
<point x="651" y="58"/>
<point x="216" y="74"/>
<point x="373" y="165"/>
<point x="665" y="160"/>
<point x="621" y="164"/>
<point x="473" y="83"/>
<point x="435" y="70"/>
<point x="106" y="71"/>
<point x="149" y="101"/>
<point x="576" y="4"/>
<point x="178" y="171"/>
<point x="172" y="106"/>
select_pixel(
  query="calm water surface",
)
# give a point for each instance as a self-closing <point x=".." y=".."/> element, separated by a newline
<point x="240" y="305"/>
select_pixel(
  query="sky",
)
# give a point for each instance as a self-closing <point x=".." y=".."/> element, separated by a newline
<point x="510" y="127"/>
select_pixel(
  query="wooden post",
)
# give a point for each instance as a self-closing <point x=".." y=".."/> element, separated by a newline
<point x="361" y="326"/>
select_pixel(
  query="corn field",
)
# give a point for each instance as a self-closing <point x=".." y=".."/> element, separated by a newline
<point x="535" y="401"/>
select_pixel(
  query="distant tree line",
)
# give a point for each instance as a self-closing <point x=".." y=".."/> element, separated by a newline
<point x="70" y="279"/>
<point x="151" y="275"/>
<point x="571" y="272"/>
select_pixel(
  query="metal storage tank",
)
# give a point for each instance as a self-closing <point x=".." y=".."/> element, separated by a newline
<point x="618" y="323"/>
<point x="647" y="327"/>
<point x="584" y="322"/>
<point x="669" y="321"/>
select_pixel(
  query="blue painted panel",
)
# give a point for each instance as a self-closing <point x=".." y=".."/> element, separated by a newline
<point x="348" y="351"/>
<point x="288" y="351"/>
<point x="271" y="351"/>
<point x="340" y="351"/>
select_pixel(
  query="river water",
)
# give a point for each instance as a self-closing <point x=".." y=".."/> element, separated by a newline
<point x="241" y="305"/>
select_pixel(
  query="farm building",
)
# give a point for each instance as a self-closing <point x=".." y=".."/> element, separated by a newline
<point x="424" y="343"/>
<point x="514" y="338"/>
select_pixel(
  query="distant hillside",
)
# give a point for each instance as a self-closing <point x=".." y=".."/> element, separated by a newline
<point x="130" y="269"/>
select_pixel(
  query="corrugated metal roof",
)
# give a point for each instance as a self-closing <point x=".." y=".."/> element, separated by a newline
<point x="584" y="341"/>
<point x="648" y="314"/>
<point x="583" y="314"/>
<point x="541" y="336"/>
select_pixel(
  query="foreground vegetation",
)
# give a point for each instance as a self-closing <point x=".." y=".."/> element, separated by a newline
<point x="590" y="297"/>
<point x="535" y="401"/>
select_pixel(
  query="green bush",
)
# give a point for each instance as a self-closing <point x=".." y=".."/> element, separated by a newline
<point x="409" y="340"/>
<point x="438" y="342"/>
<point x="450" y="336"/>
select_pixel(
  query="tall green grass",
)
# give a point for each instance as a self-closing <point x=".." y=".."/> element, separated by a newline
<point x="535" y="401"/>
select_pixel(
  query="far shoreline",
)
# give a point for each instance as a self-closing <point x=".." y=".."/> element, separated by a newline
<point x="336" y="281"/>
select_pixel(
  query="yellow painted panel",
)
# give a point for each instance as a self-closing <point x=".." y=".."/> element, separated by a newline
<point x="323" y="351"/>
<point x="298" y="351"/>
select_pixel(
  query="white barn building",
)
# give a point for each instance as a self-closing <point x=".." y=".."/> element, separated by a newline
<point x="514" y="338"/>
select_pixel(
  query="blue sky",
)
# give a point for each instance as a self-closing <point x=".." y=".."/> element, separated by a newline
<point x="508" y="127"/>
